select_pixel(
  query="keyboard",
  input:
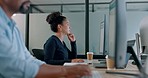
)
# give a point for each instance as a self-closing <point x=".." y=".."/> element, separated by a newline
<point x="95" y="74"/>
<point x="100" y="64"/>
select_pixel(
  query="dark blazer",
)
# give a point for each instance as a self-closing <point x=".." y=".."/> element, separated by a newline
<point x="56" y="52"/>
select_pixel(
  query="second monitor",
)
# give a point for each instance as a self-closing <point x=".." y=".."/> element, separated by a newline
<point x="117" y="32"/>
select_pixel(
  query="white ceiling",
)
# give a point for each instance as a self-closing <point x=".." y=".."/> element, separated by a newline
<point x="130" y="6"/>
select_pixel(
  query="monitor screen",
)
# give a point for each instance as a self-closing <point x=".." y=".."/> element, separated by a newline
<point x="103" y="34"/>
<point x="143" y="34"/>
<point x="117" y="33"/>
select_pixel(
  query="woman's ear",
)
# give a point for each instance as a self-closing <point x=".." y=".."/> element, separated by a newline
<point x="59" y="27"/>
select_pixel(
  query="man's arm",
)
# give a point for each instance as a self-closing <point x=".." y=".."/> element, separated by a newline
<point x="49" y="71"/>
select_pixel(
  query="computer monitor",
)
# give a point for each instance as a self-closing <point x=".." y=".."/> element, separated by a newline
<point x="118" y="48"/>
<point x="103" y="35"/>
<point x="143" y="34"/>
<point x="117" y="32"/>
<point x="141" y="54"/>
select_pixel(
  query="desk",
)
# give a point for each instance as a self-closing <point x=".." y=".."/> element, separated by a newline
<point x="130" y="68"/>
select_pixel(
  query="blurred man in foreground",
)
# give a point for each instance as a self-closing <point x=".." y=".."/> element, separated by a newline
<point x="16" y="61"/>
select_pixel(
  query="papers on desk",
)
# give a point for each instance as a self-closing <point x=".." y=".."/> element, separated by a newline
<point x="95" y="74"/>
<point x="71" y="64"/>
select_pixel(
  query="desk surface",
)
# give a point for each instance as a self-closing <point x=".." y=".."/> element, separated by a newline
<point x="130" y="68"/>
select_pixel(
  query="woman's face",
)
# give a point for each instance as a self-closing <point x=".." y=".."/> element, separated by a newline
<point x="65" y="28"/>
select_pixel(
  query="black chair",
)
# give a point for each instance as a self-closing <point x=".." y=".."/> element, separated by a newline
<point x="38" y="53"/>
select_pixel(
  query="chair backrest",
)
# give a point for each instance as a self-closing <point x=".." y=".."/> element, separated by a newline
<point x="38" y="53"/>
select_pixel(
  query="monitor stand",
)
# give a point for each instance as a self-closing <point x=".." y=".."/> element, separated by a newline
<point x="138" y="63"/>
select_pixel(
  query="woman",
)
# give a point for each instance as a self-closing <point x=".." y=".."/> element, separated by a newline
<point x="55" y="49"/>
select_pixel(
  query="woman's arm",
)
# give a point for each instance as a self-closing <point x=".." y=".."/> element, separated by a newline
<point x="73" y="52"/>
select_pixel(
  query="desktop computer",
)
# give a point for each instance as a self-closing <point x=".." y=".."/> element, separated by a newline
<point x="140" y="54"/>
<point x="119" y="50"/>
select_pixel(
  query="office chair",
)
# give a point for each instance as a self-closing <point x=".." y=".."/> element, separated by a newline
<point x="38" y="53"/>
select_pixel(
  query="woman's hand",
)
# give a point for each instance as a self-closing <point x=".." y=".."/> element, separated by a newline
<point x="71" y="37"/>
<point x="77" y="61"/>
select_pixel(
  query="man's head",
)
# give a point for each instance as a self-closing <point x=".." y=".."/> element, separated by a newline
<point x="14" y="6"/>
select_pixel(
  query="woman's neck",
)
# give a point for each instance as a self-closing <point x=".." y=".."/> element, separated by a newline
<point x="60" y="36"/>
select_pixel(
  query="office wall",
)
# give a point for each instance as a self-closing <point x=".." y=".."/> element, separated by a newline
<point x="39" y="31"/>
<point x="94" y="30"/>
